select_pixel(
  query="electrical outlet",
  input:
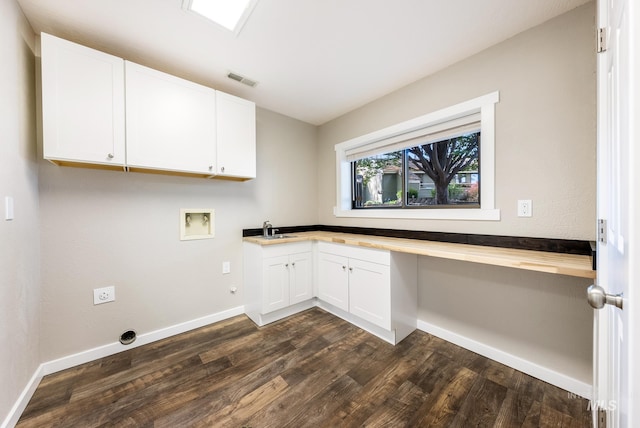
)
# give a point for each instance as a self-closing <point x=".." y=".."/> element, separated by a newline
<point x="104" y="295"/>
<point x="524" y="208"/>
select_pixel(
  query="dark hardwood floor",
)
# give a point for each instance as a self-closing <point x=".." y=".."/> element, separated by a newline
<point x="310" y="370"/>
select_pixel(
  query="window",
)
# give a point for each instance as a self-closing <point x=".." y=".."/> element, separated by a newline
<point x="441" y="174"/>
<point x="415" y="169"/>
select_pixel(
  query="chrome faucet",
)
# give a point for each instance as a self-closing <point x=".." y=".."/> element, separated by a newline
<point x="265" y="228"/>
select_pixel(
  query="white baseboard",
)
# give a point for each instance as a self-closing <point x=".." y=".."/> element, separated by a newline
<point x="546" y="374"/>
<point x="143" y="339"/>
<point x="386" y="335"/>
<point x="14" y="414"/>
<point x="104" y="351"/>
<point x="264" y="319"/>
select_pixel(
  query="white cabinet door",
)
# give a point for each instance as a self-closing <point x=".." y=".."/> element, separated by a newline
<point x="236" y="137"/>
<point x="82" y="104"/>
<point x="170" y="122"/>
<point x="370" y="292"/>
<point x="275" y="273"/>
<point x="300" y="278"/>
<point x="333" y="281"/>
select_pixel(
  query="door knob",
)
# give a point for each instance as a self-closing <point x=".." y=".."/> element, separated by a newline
<point x="597" y="298"/>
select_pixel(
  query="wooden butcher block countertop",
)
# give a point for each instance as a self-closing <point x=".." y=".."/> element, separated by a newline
<point x="540" y="261"/>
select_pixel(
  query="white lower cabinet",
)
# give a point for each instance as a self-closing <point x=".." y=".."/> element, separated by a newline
<point x="278" y="280"/>
<point x="370" y="292"/>
<point x="357" y="286"/>
<point x="300" y="277"/>
<point x="333" y="281"/>
<point x="374" y="289"/>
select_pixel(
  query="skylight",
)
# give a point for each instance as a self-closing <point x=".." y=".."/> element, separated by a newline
<point x="230" y="14"/>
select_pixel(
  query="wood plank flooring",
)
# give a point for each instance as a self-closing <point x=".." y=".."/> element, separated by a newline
<point x="309" y="370"/>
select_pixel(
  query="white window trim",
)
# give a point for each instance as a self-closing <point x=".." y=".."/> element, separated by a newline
<point x="485" y="105"/>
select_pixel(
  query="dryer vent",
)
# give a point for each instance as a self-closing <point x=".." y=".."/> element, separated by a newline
<point x="128" y="337"/>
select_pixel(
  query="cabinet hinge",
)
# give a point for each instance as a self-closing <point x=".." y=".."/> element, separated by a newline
<point x="602" y="40"/>
<point x="602" y="231"/>
<point x="602" y="418"/>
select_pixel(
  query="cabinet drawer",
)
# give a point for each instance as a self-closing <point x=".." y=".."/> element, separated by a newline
<point x="286" y="249"/>
<point x="372" y="255"/>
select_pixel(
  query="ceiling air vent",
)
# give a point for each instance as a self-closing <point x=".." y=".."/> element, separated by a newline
<point x="242" y="79"/>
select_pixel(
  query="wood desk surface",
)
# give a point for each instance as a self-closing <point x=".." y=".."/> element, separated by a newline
<point x="540" y="261"/>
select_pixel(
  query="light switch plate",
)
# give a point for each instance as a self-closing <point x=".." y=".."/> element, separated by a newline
<point x="226" y="267"/>
<point x="8" y="208"/>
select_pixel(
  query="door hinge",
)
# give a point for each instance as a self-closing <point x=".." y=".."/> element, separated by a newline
<point x="602" y="231"/>
<point x="602" y="418"/>
<point x="602" y="40"/>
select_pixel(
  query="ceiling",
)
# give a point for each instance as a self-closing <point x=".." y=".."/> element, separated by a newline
<point x="314" y="59"/>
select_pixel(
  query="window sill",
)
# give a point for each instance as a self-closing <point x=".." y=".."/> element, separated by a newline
<point x="423" y="214"/>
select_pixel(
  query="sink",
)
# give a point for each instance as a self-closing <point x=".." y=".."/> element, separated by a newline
<point x="279" y="236"/>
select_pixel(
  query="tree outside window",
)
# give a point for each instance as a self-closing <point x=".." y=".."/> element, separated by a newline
<point x="435" y="175"/>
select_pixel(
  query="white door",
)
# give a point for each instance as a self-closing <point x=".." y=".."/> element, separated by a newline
<point x="82" y="104"/>
<point x="236" y="136"/>
<point x="370" y="292"/>
<point x="333" y="282"/>
<point x="300" y="278"/>
<point x="616" y="381"/>
<point x="275" y="274"/>
<point x="170" y="122"/>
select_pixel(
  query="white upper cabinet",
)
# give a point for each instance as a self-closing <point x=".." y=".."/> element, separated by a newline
<point x="236" y="137"/>
<point x="170" y="122"/>
<point x="83" y="116"/>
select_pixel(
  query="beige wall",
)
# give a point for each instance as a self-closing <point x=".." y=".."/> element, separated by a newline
<point x="545" y="129"/>
<point x="104" y="228"/>
<point x="541" y="318"/>
<point x="19" y="241"/>
<point x="545" y="151"/>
